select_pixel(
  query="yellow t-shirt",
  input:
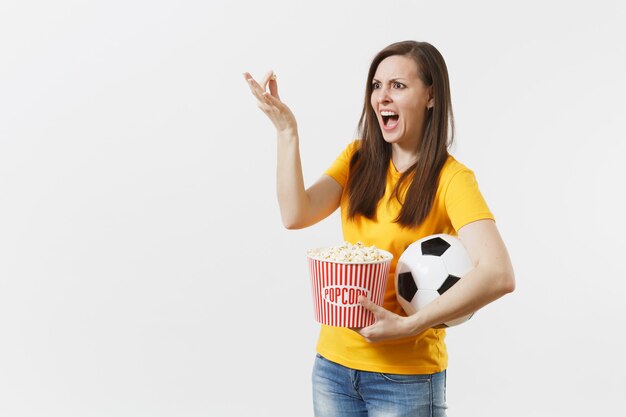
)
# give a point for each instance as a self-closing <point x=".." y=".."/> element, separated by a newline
<point x="458" y="202"/>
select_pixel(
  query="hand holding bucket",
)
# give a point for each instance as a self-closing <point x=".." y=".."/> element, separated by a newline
<point x="337" y="286"/>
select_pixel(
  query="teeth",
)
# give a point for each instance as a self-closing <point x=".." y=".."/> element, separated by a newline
<point x="388" y="113"/>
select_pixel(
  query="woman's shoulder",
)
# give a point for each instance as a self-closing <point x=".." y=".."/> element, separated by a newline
<point x="452" y="167"/>
<point x="340" y="167"/>
<point x="353" y="146"/>
<point x="349" y="150"/>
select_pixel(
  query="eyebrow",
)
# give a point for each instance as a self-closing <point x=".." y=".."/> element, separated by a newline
<point x="392" y="80"/>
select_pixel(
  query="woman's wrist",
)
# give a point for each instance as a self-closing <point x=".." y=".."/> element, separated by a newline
<point x="415" y="324"/>
<point x="290" y="133"/>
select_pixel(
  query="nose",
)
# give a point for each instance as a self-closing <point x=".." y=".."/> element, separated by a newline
<point x="383" y="95"/>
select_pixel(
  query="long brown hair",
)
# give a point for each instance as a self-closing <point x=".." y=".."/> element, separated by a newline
<point x="369" y="164"/>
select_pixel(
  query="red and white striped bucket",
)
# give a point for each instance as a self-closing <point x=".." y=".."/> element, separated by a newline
<point x="338" y="285"/>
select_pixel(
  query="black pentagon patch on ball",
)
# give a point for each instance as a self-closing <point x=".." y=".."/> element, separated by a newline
<point x="406" y="286"/>
<point x="448" y="283"/>
<point x="435" y="246"/>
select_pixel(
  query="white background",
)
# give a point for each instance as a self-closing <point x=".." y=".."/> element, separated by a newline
<point x="144" y="270"/>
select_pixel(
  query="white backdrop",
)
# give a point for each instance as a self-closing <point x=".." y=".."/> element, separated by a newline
<point x="144" y="270"/>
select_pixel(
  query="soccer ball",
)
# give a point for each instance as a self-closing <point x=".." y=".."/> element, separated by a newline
<point x="427" y="269"/>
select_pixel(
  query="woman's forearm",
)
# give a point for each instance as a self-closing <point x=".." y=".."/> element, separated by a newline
<point x="292" y="197"/>
<point x="481" y="286"/>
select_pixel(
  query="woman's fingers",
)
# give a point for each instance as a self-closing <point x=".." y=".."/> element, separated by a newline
<point x="368" y="304"/>
<point x="268" y="75"/>
<point x="274" y="87"/>
<point x="255" y="88"/>
<point x="268" y="79"/>
<point x="269" y="102"/>
<point x="270" y="105"/>
<point x="254" y="85"/>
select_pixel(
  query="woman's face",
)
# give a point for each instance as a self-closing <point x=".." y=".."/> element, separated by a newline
<point x="400" y="100"/>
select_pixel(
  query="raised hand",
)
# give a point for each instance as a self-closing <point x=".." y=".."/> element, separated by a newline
<point x="269" y="102"/>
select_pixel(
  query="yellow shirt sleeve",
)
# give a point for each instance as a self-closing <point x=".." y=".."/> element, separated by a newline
<point x="463" y="200"/>
<point x="339" y="169"/>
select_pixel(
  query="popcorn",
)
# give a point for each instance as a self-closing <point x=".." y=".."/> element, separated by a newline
<point x="348" y="252"/>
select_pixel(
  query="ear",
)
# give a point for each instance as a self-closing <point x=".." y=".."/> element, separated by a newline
<point x="431" y="98"/>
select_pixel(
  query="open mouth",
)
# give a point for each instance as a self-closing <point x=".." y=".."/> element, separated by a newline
<point x="390" y="119"/>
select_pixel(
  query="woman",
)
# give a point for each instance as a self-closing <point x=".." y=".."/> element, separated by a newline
<point x="395" y="185"/>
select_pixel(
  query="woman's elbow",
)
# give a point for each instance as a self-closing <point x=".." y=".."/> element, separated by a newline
<point x="292" y="223"/>
<point x="507" y="281"/>
<point x="292" y="226"/>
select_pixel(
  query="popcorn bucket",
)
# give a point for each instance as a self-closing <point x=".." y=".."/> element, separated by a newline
<point x="338" y="285"/>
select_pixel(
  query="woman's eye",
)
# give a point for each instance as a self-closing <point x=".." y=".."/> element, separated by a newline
<point x="375" y="85"/>
<point x="398" y="85"/>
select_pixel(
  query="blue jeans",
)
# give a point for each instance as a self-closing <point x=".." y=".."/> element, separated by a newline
<point x="343" y="392"/>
